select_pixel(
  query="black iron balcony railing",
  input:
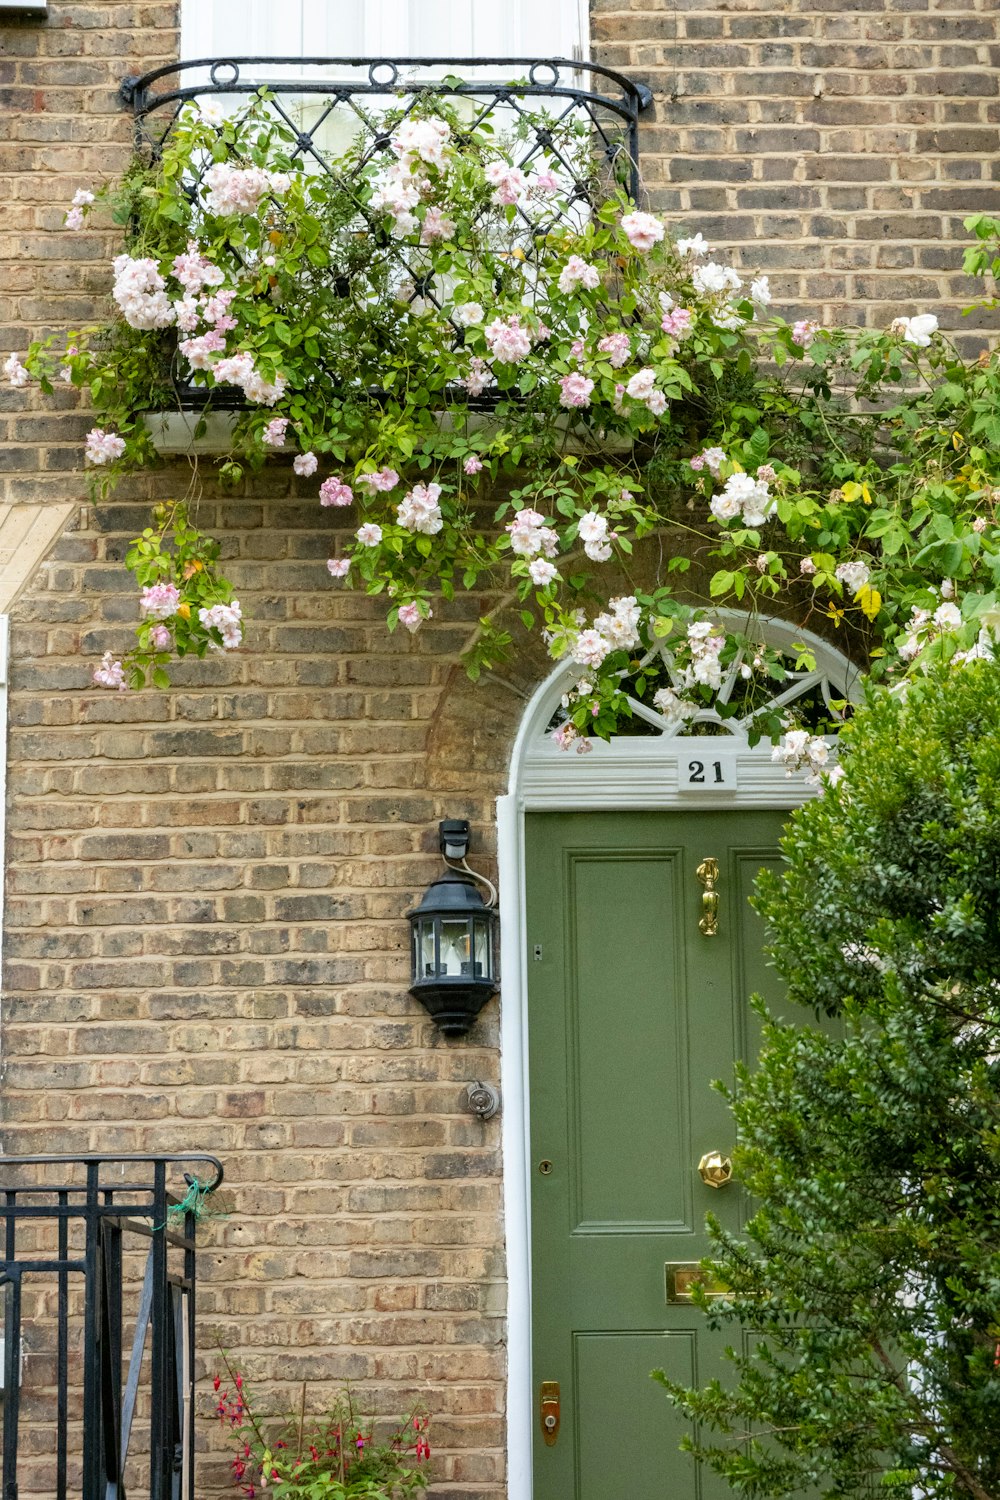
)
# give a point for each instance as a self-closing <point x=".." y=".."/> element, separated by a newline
<point x="354" y="90"/>
<point x="576" y="120"/>
<point x="95" y="1246"/>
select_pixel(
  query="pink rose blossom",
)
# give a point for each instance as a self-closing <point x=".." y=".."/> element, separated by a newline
<point x="546" y="182"/>
<point x="382" y="480"/>
<point x="370" y="534"/>
<point x="804" y="331"/>
<point x="198" y="351"/>
<point x="338" y="567"/>
<point x="274" y="432"/>
<point x="110" y="674"/>
<point x="468" y="313"/>
<point x="436" y="226"/>
<point x="159" y="638"/>
<point x="641" y="386"/>
<point x="187" y="312"/>
<point x="305" y="464"/>
<point x="618" y="348"/>
<point x="576" y="390"/>
<point x="509" y="183"/>
<point x="239" y="190"/>
<point x="410" y="616"/>
<point x="82" y="199"/>
<point x="767" y="473"/>
<point x="979" y="524"/>
<point x="419" y="510"/>
<point x="508" y="341"/>
<point x="643" y="230"/>
<point x="677" y="323"/>
<point x="194" y="271"/>
<point x="472" y="464"/>
<point x="216" y="308"/>
<point x="576" y="272"/>
<point x="711" y="459"/>
<point x="102" y="447"/>
<point x="478" y="377"/>
<point x="542" y="572"/>
<point x="227" y="619"/>
<point x="159" y="601"/>
<point x="334" y="491"/>
<point x="15" y="372"/>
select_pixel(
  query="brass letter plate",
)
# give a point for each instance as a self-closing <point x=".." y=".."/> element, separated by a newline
<point x="682" y="1275"/>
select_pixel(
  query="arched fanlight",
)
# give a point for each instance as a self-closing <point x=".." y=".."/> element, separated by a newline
<point x="454" y="940"/>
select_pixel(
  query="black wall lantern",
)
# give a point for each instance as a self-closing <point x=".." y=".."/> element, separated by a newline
<point x="454" y="935"/>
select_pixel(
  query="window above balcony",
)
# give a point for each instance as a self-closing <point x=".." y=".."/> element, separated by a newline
<point x="364" y="28"/>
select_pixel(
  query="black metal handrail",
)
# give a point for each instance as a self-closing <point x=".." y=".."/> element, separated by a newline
<point x="91" y="1218"/>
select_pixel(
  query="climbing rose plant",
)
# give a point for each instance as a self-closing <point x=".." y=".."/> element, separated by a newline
<point x="437" y="316"/>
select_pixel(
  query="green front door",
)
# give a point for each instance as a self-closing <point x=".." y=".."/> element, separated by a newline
<point x="632" y="1012"/>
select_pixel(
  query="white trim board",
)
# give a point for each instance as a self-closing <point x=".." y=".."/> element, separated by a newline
<point x="638" y="774"/>
<point x="4" y="658"/>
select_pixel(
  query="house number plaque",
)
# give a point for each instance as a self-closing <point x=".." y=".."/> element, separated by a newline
<point x="707" y="771"/>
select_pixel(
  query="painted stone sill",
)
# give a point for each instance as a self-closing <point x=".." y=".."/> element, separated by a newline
<point x="173" y="432"/>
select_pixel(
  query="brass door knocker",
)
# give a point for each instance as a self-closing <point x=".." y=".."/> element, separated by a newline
<point x="708" y="873"/>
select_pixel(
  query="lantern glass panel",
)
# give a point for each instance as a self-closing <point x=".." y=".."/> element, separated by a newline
<point x="455" y="946"/>
<point x="482" y="948"/>
<point x="426" y="958"/>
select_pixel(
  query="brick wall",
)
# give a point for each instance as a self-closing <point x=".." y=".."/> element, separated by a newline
<point x="837" y="144"/>
<point x="204" y="939"/>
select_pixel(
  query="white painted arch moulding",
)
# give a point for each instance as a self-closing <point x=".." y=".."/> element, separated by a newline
<point x="630" y="774"/>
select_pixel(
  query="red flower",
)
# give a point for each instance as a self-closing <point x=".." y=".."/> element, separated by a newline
<point x="217" y="1382"/>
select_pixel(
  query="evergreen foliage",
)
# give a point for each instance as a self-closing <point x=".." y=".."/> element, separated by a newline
<point x="866" y="1287"/>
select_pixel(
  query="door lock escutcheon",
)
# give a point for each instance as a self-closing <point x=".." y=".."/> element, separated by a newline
<point x="550" y="1412"/>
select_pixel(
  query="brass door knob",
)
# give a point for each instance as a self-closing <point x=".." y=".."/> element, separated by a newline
<point x="715" y="1170"/>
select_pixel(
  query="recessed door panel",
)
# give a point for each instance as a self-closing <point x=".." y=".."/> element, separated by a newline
<point x="634" y="1449"/>
<point x="629" y="1177"/>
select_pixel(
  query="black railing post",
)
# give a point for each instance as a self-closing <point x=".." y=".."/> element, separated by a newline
<point x="190" y="1275"/>
<point x="159" y="1457"/>
<point x="62" y="1347"/>
<point x="92" y="1437"/>
<point x="111" y="1352"/>
<point x="12" y="1385"/>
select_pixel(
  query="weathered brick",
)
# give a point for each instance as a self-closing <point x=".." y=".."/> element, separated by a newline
<point x="206" y="888"/>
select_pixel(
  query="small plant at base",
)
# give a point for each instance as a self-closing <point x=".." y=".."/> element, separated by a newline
<point x="337" y="1456"/>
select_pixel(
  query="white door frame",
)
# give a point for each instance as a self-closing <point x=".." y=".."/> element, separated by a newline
<point x="629" y="774"/>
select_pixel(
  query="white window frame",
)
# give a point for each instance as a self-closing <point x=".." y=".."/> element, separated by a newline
<point x="198" y="35"/>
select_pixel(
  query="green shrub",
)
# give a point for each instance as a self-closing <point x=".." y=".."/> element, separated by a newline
<point x="867" y="1284"/>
